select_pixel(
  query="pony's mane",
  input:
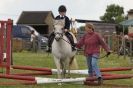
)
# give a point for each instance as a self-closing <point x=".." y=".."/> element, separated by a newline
<point x="59" y="22"/>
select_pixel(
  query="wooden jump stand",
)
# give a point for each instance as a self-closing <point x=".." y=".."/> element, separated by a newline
<point x="5" y="44"/>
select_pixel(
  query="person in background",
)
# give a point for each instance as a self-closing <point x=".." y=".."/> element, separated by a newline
<point x="62" y="15"/>
<point x="33" y="41"/>
<point x="92" y="42"/>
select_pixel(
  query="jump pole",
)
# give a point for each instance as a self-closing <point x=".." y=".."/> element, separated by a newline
<point x="17" y="77"/>
<point x="18" y="83"/>
<point x="33" y="73"/>
<point x="85" y="72"/>
<point x="116" y="69"/>
<point x="48" y="80"/>
<point x="31" y="68"/>
<point x="86" y="81"/>
<point x="40" y="80"/>
<point x="9" y="44"/>
<point x="1" y="41"/>
<point x="54" y="70"/>
<point x="48" y="71"/>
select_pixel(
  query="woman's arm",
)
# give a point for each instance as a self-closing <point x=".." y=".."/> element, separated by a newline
<point x="103" y="44"/>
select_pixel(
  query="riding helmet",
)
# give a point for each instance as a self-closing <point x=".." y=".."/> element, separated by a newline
<point x="62" y="8"/>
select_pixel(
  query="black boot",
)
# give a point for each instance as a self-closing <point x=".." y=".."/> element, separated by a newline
<point x="74" y="47"/>
<point x="50" y="41"/>
<point x="100" y="80"/>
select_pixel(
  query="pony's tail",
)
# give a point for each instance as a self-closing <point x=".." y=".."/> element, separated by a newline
<point x="73" y="63"/>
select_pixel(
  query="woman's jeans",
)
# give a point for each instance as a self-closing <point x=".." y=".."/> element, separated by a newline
<point x="92" y="65"/>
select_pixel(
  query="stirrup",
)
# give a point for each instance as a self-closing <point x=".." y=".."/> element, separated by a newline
<point x="73" y="48"/>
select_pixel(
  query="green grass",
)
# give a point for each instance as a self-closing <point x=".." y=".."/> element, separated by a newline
<point x="45" y="60"/>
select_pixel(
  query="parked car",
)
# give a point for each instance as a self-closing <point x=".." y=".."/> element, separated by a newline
<point x="24" y="32"/>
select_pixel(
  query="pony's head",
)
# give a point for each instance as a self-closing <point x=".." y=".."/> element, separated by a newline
<point x="58" y="29"/>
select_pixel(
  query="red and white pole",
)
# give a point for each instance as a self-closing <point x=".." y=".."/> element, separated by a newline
<point x="40" y="80"/>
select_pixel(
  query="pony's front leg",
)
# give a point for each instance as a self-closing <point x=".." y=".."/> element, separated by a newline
<point x="69" y="75"/>
<point x="68" y="67"/>
<point x="57" y="63"/>
<point x="63" y="67"/>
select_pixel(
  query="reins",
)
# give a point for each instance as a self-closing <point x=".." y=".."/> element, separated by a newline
<point x="67" y="42"/>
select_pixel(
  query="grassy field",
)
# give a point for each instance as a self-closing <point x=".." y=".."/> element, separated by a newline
<point x="46" y="60"/>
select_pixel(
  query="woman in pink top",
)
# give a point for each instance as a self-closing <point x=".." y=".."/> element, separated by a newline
<point x="92" y="42"/>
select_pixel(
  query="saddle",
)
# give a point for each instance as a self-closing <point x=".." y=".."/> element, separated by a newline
<point x="74" y="31"/>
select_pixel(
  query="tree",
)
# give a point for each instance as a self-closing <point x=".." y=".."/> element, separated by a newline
<point x="114" y="14"/>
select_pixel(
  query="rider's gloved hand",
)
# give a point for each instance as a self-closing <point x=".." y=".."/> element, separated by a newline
<point x="65" y="30"/>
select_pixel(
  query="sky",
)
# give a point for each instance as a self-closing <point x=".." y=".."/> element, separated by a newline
<point x="78" y="9"/>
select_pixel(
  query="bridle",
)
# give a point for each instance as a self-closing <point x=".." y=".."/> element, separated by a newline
<point x="60" y="35"/>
